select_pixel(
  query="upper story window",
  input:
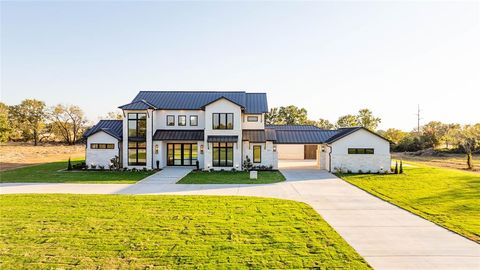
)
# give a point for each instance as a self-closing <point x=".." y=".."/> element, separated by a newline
<point x="252" y="118"/>
<point x="193" y="120"/>
<point x="102" y="146"/>
<point x="182" y="120"/>
<point x="170" y="120"/>
<point x="137" y="125"/>
<point x="362" y="151"/>
<point x="222" y="121"/>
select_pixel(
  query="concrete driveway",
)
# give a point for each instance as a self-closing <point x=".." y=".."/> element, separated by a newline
<point x="385" y="235"/>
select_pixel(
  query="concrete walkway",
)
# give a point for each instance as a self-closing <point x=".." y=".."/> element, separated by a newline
<point x="385" y="235"/>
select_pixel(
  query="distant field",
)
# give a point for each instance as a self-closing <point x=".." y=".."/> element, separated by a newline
<point x="15" y="155"/>
<point x="453" y="161"/>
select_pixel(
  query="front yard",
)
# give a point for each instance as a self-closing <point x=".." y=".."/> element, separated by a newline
<point x="447" y="197"/>
<point x="227" y="177"/>
<point x="111" y="232"/>
<point x="53" y="173"/>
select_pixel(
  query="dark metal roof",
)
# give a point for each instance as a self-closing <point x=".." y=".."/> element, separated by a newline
<point x="179" y="135"/>
<point x="293" y="127"/>
<point x="303" y="136"/>
<point x="219" y="138"/>
<point x="137" y="105"/>
<point x="258" y="135"/>
<point x="112" y="127"/>
<point x="343" y="132"/>
<point x="195" y="100"/>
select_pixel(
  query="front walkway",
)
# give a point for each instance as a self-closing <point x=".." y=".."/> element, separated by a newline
<point x="385" y="235"/>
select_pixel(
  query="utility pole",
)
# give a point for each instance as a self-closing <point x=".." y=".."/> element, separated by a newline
<point x="418" y="119"/>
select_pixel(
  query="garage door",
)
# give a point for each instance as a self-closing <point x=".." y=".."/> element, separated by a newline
<point x="310" y="151"/>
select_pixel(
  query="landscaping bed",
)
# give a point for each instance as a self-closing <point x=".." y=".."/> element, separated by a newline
<point x="231" y="177"/>
<point x="139" y="232"/>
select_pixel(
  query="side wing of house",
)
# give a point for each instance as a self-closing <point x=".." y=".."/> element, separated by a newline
<point x="101" y="148"/>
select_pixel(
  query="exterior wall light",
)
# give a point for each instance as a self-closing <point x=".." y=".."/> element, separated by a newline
<point x="201" y="148"/>
<point x="156" y="149"/>
<point x="274" y="148"/>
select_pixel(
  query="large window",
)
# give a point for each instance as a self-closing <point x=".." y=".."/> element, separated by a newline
<point x="137" y="153"/>
<point x="102" y="146"/>
<point x="170" y="120"/>
<point x="361" y="151"/>
<point x="222" y="155"/>
<point x="193" y="120"/>
<point x="181" y="154"/>
<point x="137" y="125"/>
<point x="182" y="120"/>
<point x="257" y="154"/>
<point x="222" y="120"/>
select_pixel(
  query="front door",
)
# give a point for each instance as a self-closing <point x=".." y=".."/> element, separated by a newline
<point x="181" y="154"/>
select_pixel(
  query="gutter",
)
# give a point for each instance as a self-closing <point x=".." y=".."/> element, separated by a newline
<point x="329" y="158"/>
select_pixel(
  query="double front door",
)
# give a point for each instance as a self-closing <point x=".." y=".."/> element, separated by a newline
<point x="181" y="154"/>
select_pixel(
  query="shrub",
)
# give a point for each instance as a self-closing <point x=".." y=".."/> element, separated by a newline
<point x="79" y="166"/>
<point x="401" y="166"/>
<point x="101" y="167"/>
<point x="247" y="164"/>
<point x="93" y="166"/>
<point x="69" y="167"/>
<point x="396" y="167"/>
<point x="360" y="171"/>
<point x="115" y="163"/>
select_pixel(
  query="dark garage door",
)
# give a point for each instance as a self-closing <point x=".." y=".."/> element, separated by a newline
<point x="310" y="151"/>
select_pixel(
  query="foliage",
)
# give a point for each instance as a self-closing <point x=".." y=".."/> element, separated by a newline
<point x="68" y="122"/>
<point x="115" y="163"/>
<point x="401" y="166"/>
<point x="289" y="115"/>
<point x="324" y="124"/>
<point x="393" y="134"/>
<point x="5" y="126"/>
<point x="113" y="116"/>
<point x="347" y="121"/>
<point x="28" y="117"/>
<point x="60" y="231"/>
<point x="69" y="167"/>
<point x="247" y="164"/>
<point x="366" y="119"/>
<point x="228" y="177"/>
<point x="396" y="167"/>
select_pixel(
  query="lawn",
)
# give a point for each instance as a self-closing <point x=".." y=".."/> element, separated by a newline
<point x="49" y="173"/>
<point x="227" y="177"/>
<point x="447" y="197"/>
<point x="446" y="160"/>
<point x="201" y="232"/>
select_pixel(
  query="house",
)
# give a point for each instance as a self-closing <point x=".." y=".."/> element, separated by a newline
<point x="219" y="130"/>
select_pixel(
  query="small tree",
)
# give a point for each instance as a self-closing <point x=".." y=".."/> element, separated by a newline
<point x="396" y="167"/>
<point x="247" y="164"/>
<point x="69" y="167"/>
<point x="401" y="166"/>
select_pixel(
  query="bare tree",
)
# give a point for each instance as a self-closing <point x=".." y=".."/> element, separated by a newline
<point x="68" y="122"/>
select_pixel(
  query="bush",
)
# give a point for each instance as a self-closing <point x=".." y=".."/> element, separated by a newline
<point x="69" y="167"/>
<point x="396" y="167"/>
<point x="247" y="164"/>
<point x="79" y="166"/>
<point x="102" y="168"/>
<point x="401" y="166"/>
<point x="93" y="166"/>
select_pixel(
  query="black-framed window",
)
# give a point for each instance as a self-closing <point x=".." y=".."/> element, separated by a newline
<point x="137" y="153"/>
<point x="137" y="125"/>
<point x="361" y="151"/>
<point x="170" y="120"/>
<point x="257" y="154"/>
<point x="182" y="120"/>
<point x="222" y="155"/>
<point x="252" y="118"/>
<point x="222" y="120"/>
<point x="102" y="146"/>
<point x="193" y="120"/>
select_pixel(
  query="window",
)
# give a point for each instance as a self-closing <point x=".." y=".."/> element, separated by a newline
<point x="222" y="120"/>
<point x="170" y="120"/>
<point x="252" y="118"/>
<point x="137" y="125"/>
<point x="361" y="151"/>
<point x="257" y="154"/>
<point x="182" y="120"/>
<point x="222" y="155"/>
<point x="102" y="146"/>
<point x="193" y="120"/>
<point x="137" y="153"/>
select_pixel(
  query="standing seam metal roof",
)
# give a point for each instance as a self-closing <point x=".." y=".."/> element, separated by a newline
<point x="111" y="127"/>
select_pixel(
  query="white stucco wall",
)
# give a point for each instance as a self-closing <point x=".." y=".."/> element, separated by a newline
<point x="101" y="156"/>
<point x="290" y="151"/>
<point x="268" y="158"/>
<point x="380" y="160"/>
<point x="253" y="125"/>
<point x="160" y="119"/>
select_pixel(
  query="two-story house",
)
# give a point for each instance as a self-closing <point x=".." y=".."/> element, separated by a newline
<point x="219" y="130"/>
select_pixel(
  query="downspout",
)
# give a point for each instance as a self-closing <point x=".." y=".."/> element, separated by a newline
<point x="329" y="158"/>
<point x="152" y="141"/>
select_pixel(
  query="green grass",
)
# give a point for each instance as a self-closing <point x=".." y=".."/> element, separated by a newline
<point x="49" y="173"/>
<point x="138" y="232"/>
<point x="226" y="177"/>
<point x="447" y="197"/>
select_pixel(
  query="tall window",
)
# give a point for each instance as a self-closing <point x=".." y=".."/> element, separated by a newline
<point x="137" y="125"/>
<point x="170" y="120"/>
<point x="193" y="120"/>
<point x="361" y="151"/>
<point x="137" y="153"/>
<point x="222" y="120"/>
<point x="137" y="135"/>
<point x="257" y="154"/>
<point x="222" y="155"/>
<point x="182" y="120"/>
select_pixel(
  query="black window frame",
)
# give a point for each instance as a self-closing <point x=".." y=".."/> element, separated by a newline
<point x="185" y="123"/>
<point x="253" y="121"/>
<point x="196" y="120"/>
<point x="102" y="146"/>
<point x="136" y="148"/>
<point x="361" y="151"/>
<point x="259" y="147"/>
<point x="137" y="120"/>
<point x="222" y="162"/>
<point x="226" y="124"/>
<point x="173" y="117"/>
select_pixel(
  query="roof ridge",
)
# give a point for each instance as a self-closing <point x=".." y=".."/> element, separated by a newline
<point x="193" y="91"/>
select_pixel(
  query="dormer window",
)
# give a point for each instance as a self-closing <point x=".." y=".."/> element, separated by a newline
<point x="222" y="120"/>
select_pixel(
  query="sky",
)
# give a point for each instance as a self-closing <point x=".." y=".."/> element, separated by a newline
<point x="332" y="58"/>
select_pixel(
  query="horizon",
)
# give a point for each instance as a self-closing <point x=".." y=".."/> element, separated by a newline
<point x="330" y="58"/>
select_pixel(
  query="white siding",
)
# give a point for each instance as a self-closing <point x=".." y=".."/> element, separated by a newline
<point x="253" y="125"/>
<point x="160" y="119"/>
<point x="268" y="158"/>
<point x="380" y="160"/>
<point x="101" y="157"/>
<point x="290" y="151"/>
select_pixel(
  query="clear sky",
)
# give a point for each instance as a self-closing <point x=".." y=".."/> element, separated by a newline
<point x="333" y="58"/>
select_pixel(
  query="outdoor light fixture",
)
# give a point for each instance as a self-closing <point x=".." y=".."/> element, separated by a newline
<point x="156" y="148"/>
<point x="201" y="148"/>
<point x="274" y="148"/>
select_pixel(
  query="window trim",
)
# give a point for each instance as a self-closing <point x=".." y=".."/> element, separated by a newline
<point x="259" y="147"/>
<point x="166" y="120"/>
<point x="136" y="163"/>
<point x="196" y="121"/>
<point x="106" y="146"/>
<point x="226" y="121"/>
<point x="360" y="151"/>
<point x="253" y="121"/>
<point x="184" y="116"/>
<point x="137" y="121"/>
<point x="226" y="147"/>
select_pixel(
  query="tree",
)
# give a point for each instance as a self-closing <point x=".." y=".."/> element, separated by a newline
<point x="114" y="116"/>
<point x="68" y="122"/>
<point x="272" y="117"/>
<point x="347" y="121"/>
<point x="29" y="117"/>
<point x="394" y="135"/>
<point x="289" y="115"/>
<point x="324" y="124"/>
<point x="5" y="127"/>
<point x="469" y="139"/>
<point x="434" y="132"/>
<point x="366" y="119"/>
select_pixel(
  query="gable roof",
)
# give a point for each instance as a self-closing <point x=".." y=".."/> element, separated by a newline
<point x="293" y="127"/>
<point x="343" y="132"/>
<point x="137" y="105"/>
<point x="196" y="100"/>
<point x="113" y="128"/>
